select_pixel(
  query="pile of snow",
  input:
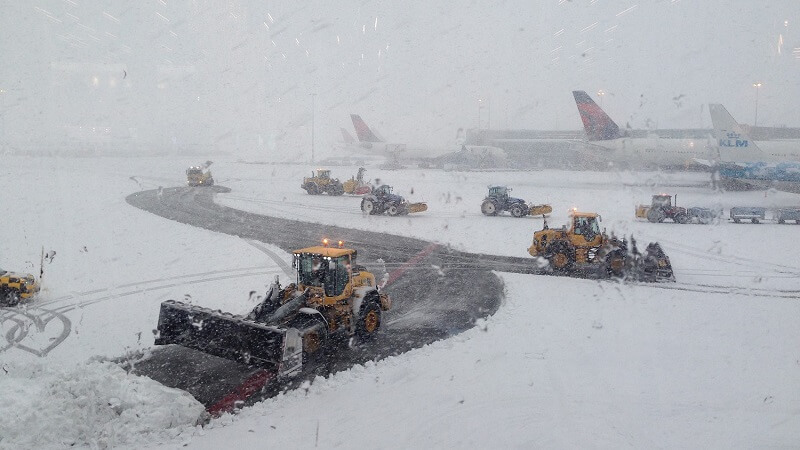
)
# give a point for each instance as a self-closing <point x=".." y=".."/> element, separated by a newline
<point x="94" y="404"/>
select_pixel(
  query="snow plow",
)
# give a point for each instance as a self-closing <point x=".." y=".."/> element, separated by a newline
<point x="499" y="200"/>
<point x="382" y="200"/>
<point x="15" y="287"/>
<point x="581" y="246"/>
<point x="199" y="175"/>
<point x="331" y="296"/>
<point x="356" y="185"/>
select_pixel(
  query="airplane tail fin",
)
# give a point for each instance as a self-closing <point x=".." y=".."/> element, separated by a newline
<point x="598" y="126"/>
<point x="347" y="138"/>
<point x="735" y="144"/>
<point x="362" y="130"/>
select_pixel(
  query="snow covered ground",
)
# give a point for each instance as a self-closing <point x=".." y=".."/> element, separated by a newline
<point x="712" y="360"/>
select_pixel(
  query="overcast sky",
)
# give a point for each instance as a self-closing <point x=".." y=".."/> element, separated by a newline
<point x="239" y="74"/>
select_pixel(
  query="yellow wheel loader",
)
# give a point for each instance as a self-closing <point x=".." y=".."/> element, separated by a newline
<point x="322" y="183"/>
<point x="582" y="246"/>
<point x="199" y="176"/>
<point x="330" y="296"/>
<point x="15" y="287"/>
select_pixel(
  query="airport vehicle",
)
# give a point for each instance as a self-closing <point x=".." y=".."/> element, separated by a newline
<point x="331" y="296"/>
<point x="754" y="214"/>
<point x="322" y="183"/>
<point x="382" y="200"/>
<point x="582" y="246"/>
<point x="199" y="176"/>
<point x="784" y="214"/>
<point x="661" y="208"/>
<point x="356" y="185"/>
<point x="498" y="200"/>
<point x="15" y="287"/>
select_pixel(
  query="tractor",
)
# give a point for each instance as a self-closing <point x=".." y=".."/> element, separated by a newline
<point x="382" y="200"/>
<point x="662" y="208"/>
<point x="499" y="200"/>
<point x="199" y="176"/>
<point x="581" y="245"/>
<point x="322" y="183"/>
<point x="15" y="287"/>
<point x="331" y="297"/>
<point x="356" y="185"/>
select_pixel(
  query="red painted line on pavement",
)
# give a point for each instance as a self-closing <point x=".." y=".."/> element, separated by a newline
<point x="250" y="386"/>
<point x="397" y="273"/>
<point x="260" y="379"/>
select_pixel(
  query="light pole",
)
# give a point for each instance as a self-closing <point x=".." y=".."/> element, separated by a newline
<point x="480" y="106"/>
<point x="601" y="94"/>
<point x="755" y="121"/>
<point x="312" y="126"/>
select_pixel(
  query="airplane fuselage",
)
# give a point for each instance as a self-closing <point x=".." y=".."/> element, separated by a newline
<point x="654" y="152"/>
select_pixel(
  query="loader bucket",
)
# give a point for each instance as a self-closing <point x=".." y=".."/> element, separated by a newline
<point x="230" y="336"/>
<point x="540" y="210"/>
<point x="417" y="207"/>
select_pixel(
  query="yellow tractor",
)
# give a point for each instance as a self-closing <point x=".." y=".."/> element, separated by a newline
<point x="15" y="287"/>
<point x="322" y="183"/>
<point x="582" y="245"/>
<point x="331" y="296"/>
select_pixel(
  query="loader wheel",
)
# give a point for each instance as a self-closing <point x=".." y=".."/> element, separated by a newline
<point x="656" y="216"/>
<point x="336" y="189"/>
<point x="11" y="298"/>
<point x="560" y="256"/>
<point x="682" y="218"/>
<point x="518" y="211"/>
<point x="369" y="321"/>
<point x="489" y="208"/>
<point x="393" y="210"/>
<point x="312" y="189"/>
<point x="368" y="206"/>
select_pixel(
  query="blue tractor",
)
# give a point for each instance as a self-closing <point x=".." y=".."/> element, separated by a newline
<point x="498" y="201"/>
<point x="382" y="200"/>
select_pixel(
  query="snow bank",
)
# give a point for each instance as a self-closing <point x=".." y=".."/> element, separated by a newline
<point x="95" y="404"/>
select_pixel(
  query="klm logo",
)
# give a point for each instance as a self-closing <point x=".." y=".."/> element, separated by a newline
<point x="733" y="140"/>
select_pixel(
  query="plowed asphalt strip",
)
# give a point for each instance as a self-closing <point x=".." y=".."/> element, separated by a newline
<point x="428" y="303"/>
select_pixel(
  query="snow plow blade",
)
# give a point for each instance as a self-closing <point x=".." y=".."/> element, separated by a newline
<point x="653" y="265"/>
<point x="230" y="336"/>
<point x="540" y="210"/>
<point x="417" y="207"/>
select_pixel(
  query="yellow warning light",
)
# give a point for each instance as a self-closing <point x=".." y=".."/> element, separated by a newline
<point x="341" y="244"/>
<point x="325" y="242"/>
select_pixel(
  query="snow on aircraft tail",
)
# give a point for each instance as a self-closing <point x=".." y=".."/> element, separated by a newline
<point x="347" y="138"/>
<point x="735" y="144"/>
<point x="362" y="130"/>
<point x="598" y="126"/>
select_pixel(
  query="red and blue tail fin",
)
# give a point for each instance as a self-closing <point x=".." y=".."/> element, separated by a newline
<point x="598" y="126"/>
<point x="362" y="130"/>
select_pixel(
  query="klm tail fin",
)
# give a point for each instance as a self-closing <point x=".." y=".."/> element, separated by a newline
<point x="598" y="126"/>
<point x="735" y="144"/>
<point x="362" y="130"/>
<point x="347" y="138"/>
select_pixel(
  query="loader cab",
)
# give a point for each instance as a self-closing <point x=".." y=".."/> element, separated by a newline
<point x="326" y="268"/>
<point x="586" y="229"/>
<point x="194" y="171"/>
<point x="323" y="173"/>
